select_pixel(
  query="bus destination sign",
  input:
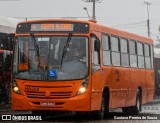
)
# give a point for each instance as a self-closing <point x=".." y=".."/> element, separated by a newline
<point x="56" y="27"/>
<point x="52" y="27"/>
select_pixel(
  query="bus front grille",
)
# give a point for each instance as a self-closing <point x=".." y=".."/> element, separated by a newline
<point x="52" y="95"/>
<point x="64" y="91"/>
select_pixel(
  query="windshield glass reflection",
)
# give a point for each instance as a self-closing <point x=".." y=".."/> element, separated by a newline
<point x="48" y="64"/>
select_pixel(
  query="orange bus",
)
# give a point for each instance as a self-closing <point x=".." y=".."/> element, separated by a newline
<point x="81" y="66"/>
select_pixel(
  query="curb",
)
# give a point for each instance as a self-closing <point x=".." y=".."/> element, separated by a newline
<point x="155" y="101"/>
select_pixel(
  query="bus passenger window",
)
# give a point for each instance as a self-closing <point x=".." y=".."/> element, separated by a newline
<point x="140" y="55"/>
<point x="106" y="50"/>
<point x="124" y="53"/>
<point x="115" y="51"/>
<point x="147" y="56"/>
<point x="132" y="51"/>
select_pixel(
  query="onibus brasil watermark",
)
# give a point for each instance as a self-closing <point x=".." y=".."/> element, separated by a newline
<point x="20" y="118"/>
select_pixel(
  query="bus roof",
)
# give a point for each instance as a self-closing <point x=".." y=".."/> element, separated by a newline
<point x="100" y="28"/>
<point x="120" y="33"/>
<point x="50" y="20"/>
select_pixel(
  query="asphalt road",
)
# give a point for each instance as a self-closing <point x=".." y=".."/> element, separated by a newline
<point x="150" y="114"/>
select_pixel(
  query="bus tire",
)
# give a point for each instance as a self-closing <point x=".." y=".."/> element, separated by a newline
<point x="104" y="110"/>
<point x="136" y="109"/>
<point x="126" y="110"/>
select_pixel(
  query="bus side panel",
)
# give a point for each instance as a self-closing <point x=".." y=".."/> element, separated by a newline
<point x="149" y="85"/>
<point x="96" y="94"/>
<point x="107" y="76"/>
<point x="144" y="88"/>
<point x="137" y="78"/>
<point x="127" y="80"/>
<point x="141" y="76"/>
<point x="132" y="86"/>
<point x="100" y="79"/>
<point x="148" y="88"/>
<point x="118" y="87"/>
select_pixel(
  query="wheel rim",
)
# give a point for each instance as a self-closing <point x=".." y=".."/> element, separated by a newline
<point x="138" y="104"/>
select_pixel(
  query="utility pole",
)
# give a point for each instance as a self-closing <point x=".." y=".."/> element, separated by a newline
<point x="94" y="7"/>
<point x="94" y="10"/>
<point x="148" y="21"/>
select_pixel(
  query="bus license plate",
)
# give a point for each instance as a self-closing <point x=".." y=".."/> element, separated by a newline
<point x="48" y="104"/>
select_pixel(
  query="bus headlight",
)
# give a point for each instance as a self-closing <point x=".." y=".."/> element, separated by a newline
<point x="82" y="90"/>
<point x="83" y="87"/>
<point x="15" y="87"/>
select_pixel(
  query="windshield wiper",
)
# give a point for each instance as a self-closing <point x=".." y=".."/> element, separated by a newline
<point x="36" y="47"/>
<point x="65" y="47"/>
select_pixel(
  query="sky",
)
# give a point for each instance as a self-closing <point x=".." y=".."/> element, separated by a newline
<point x="128" y="15"/>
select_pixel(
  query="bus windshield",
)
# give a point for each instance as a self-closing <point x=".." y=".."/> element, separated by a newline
<point x="48" y="63"/>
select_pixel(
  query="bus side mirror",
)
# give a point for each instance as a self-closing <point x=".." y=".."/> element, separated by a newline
<point x="97" y="45"/>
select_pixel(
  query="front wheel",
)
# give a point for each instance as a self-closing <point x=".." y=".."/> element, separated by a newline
<point x="104" y="111"/>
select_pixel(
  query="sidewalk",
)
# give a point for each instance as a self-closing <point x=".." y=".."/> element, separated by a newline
<point x="155" y="101"/>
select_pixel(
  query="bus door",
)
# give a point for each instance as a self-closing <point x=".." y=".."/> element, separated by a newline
<point x="96" y="74"/>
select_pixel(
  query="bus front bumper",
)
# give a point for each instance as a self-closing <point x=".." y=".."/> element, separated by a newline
<point x="77" y="103"/>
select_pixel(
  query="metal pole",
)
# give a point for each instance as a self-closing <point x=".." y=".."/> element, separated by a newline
<point x="148" y="21"/>
<point x="94" y="15"/>
<point x="148" y="26"/>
